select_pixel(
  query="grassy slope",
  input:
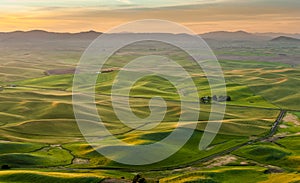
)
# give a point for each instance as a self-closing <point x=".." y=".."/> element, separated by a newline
<point x="46" y="101"/>
<point x="28" y="176"/>
<point x="283" y="153"/>
<point x="225" y="174"/>
<point x="275" y="82"/>
<point x="231" y="174"/>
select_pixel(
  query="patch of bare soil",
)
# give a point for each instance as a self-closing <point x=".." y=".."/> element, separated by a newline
<point x="56" y="146"/>
<point x="45" y="149"/>
<point x="292" y="118"/>
<point x="80" y="161"/>
<point x="283" y="126"/>
<point x="244" y="163"/>
<point x="5" y="141"/>
<point x="220" y="161"/>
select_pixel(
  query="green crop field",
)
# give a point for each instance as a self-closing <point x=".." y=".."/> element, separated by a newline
<point x="28" y="176"/>
<point x="41" y="142"/>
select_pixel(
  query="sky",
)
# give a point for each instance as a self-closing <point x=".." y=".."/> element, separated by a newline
<point x="198" y="15"/>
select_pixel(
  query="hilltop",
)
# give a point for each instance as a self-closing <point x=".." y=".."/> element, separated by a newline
<point x="285" y="39"/>
<point x="233" y="36"/>
<point x="38" y="35"/>
<point x="44" y="35"/>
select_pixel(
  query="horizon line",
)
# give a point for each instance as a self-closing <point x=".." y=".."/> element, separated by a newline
<point x="96" y="31"/>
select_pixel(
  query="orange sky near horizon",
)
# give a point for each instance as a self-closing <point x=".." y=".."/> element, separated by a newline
<point x="199" y="16"/>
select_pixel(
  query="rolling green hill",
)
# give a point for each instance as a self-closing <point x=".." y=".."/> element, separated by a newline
<point x="41" y="142"/>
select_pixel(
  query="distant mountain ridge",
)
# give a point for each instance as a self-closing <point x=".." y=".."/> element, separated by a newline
<point x="44" y="35"/>
<point x="233" y="36"/>
<point x="90" y="35"/>
<point x="275" y="35"/>
<point x="285" y="39"/>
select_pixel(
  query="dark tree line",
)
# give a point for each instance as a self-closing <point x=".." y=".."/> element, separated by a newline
<point x="208" y="99"/>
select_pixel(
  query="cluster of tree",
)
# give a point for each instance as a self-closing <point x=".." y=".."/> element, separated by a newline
<point x="221" y="98"/>
<point x="205" y="100"/>
<point x="5" y="167"/>
<point x="208" y="99"/>
<point x="138" y="179"/>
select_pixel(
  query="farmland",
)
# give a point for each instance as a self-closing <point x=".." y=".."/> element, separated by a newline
<point x="41" y="142"/>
